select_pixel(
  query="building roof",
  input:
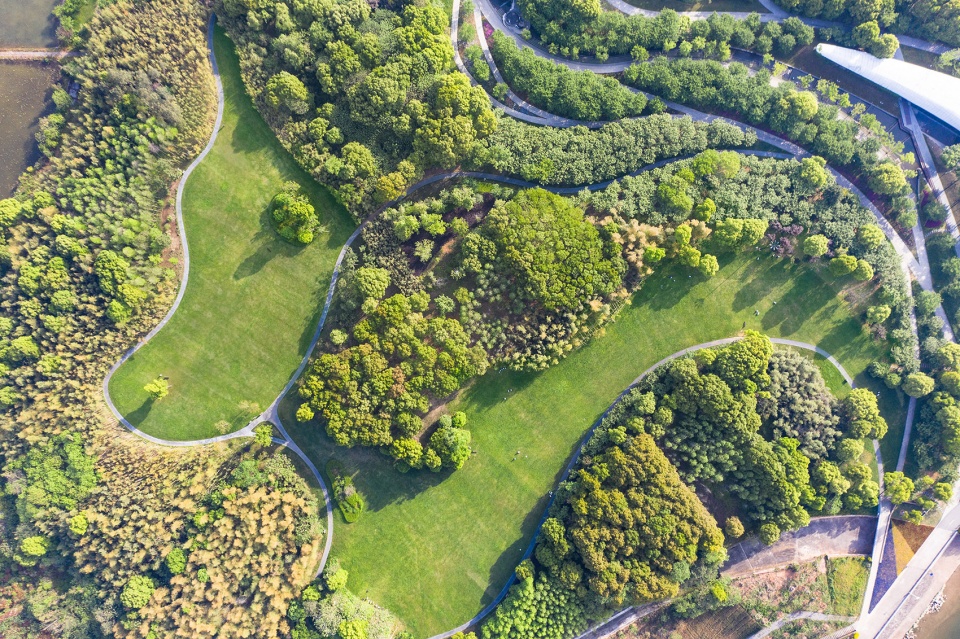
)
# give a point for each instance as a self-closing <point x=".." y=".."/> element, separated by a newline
<point x="934" y="92"/>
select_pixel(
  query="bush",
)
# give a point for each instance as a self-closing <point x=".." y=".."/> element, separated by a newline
<point x="733" y="528"/>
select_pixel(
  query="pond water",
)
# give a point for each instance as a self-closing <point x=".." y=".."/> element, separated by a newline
<point x="27" y="23"/>
<point x="944" y="624"/>
<point x="24" y="97"/>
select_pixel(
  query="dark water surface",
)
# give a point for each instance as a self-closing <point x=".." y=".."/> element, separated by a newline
<point x="24" y="97"/>
<point x="27" y="24"/>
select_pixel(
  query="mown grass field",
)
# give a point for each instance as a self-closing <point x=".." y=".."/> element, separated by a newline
<point x="435" y="548"/>
<point x="253" y="300"/>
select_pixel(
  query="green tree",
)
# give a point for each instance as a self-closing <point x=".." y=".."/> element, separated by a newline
<point x="816" y="245"/>
<point x="136" y="592"/>
<point x="843" y="265"/>
<point x="285" y="90"/>
<point x="878" y="314"/>
<point x="898" y="487"/>
<point x="263" y="434"/>
<point x="863" y="272"/>
<point x="176" y="561"/>
<point x="769" y="534"/>
<point x="158" y="388"/>
<point x="918" y="385"/>
<point x="887" y="178"/>
<point x="733" y="528"/>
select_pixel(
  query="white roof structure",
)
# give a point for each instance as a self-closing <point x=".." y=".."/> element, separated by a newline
<point x="934" y="92"/>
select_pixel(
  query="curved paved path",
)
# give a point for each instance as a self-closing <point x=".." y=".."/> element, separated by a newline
<point x="271" y="414"/>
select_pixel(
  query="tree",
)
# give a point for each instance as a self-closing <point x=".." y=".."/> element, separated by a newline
<point x="176" y="561"/>
<point x="898" y="487"/>
<point x="878" y="314"/>
<point x="452" y="445"/>
<point x="769" y="534"/>
<point x="949" y="356"/>
<point x="863" y="272"/>
<point x="372" y="282"/>
<point x="285" y="90"/>
<point x="862" y="415"/>
<point x="918" y="385"/>
<point x="263" y="434"/>
<point x="951" y="157"/>
<point x="816" y="245"/>
<point x="336" y="579"/>
<point x="158" y="388"/>
<point x="137" y="592"/>
<point x="843" y="265"/>
<point x="871" y="236"/>
<point x="813" y="175"/>
<point x="525" y="231"/>
<point x="887" y="178"/>
<point x="733" y="528"/>
<point x="709" y="265"/>
<point x="942" y="491"/>
<point x="294" y="215"/>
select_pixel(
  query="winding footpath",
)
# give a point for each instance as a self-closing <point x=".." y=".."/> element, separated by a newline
<point x="911" y="264"/>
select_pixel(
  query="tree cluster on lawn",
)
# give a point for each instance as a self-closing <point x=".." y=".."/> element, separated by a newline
<point x="797" y="114"/>
<point x="365" y="100"/>
<point x="703" y="413"/>
<point x="578" y="155"/>
<point x="792" y="197"/>
<point x="625" y="528"/>
<point x="295" y="217"/>
<point x="374" y="391"/>
<point x="572" y="29"/>
<point x="91" y="516"/>
<point x="581" y="95"/>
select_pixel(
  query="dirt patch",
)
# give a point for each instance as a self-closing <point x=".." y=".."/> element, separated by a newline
<point x="172" y="255"/>
<point x="907" y="538"/>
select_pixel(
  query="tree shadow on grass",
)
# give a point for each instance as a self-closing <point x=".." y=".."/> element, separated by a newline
<point x="496" y="387"/>
<point x="139" y="415"/>
<point x="502" y="569"/>
<point x="269" y="246"/>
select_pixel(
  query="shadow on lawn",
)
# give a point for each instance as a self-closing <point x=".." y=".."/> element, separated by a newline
<point x="136" y="417"/>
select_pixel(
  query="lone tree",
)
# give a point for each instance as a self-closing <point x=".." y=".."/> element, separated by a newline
<point x="158" y="388"/>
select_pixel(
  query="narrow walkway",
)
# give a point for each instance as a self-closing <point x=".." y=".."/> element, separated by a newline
<point x="812" y="616"/>
<point x="37" y="54"/>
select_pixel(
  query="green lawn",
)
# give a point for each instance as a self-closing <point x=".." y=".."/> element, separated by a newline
<point x="253" y="300"/>
<point x="846" y="581"/>
<point x="435" y="548"/>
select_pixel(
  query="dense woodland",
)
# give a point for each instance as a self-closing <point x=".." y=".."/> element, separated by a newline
<point x="443" y="286"/>
<point x="101" y="534"/>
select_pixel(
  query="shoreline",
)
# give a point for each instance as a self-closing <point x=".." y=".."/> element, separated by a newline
<point x="942" y="622"/>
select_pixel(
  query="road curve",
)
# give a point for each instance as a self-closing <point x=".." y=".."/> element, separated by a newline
<point x="576" y="455"/>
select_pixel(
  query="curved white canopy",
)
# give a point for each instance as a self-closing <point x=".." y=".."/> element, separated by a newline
<point x="932" y="91"/>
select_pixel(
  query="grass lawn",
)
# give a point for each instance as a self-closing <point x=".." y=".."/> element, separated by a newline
<point x="700" y="5"/>
<point x="846" y="581"/>
<point x="434" y="549"/>
<point x="253" y="300"/>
